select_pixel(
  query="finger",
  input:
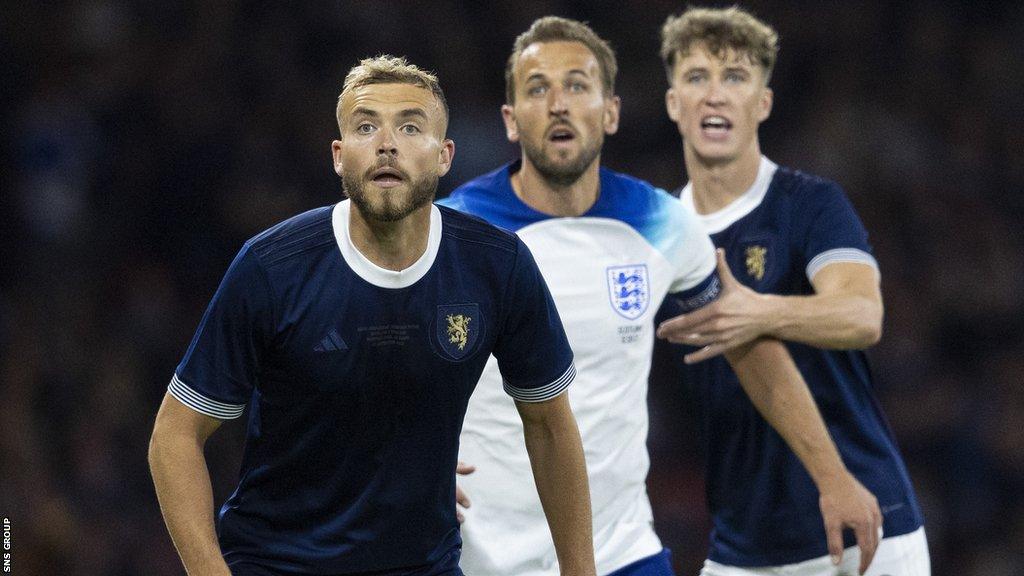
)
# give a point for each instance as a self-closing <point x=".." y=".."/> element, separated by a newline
<point x="724" y="273"/>
<point x="686" y="323"/>
<point x="462" y="498"/>
<point x="867" y="541"/>
<point x="694" y="339"/>
<point x="463" y="468"/>
<point x="459" y="517"/>
<point x="834" y="535"/>
<point x="709" y="351"/>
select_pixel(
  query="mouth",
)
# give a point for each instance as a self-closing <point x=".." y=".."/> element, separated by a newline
<point x="561" y="134"/>
<point x="387" y="177"/>
<point x="715" y="126"/>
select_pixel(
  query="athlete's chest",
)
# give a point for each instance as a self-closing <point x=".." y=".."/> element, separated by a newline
<point x="761" y="251"/>
<point x="347" y="333"/>
<point x="606" y="281"/>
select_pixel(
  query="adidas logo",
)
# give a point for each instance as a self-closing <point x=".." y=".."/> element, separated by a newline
<point x="332" y="342"/>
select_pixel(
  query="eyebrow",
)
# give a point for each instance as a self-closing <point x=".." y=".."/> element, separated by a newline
<point x="408" y="112"/>
<point x="540" y="76"/>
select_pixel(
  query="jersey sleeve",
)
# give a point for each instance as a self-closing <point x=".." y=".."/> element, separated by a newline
<point x="533" y="353"/>
<point x="696" y="282"/>
<point x="220" y="367"/>
<point x="834" y="233"/>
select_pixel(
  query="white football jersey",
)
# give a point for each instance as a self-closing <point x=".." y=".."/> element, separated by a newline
<point x="608" y="272"/>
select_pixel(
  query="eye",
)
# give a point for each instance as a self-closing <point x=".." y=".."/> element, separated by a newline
<point x="536" y="90"/>
<point x="410" y="129"/>
<point x="735" y="77"/>
<point x="578" y="87"/>
<point x="365" y="128"/>
<point x="694" y="78"/>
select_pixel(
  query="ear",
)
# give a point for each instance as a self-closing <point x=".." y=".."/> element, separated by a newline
<point x="672" y="104"/>
<point x="612" y="108"/>
<point x="508" y="115"/>
<point x="765" y="105"/>
<point x="336" y="153"/>
<point x="446" y="156"/>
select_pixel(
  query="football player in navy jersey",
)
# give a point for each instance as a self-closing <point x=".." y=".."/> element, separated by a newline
<point x="356" y="334"/>
<point x="796" y="266"/>
<point x="611" y="248"/>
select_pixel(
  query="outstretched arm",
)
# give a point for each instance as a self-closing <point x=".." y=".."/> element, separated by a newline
<point x="556" y="456"/>
<point x="778" y="391"/>
<point x="844" y="312"/>
<point x="183" y="485"/>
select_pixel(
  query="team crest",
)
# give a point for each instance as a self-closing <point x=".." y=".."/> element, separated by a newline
<point x="458" y="329"/>
<point x="755" y="260"/>
<point x="629" y="290"/>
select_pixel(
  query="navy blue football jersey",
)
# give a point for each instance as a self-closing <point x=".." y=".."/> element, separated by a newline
<point x="763" y="502"/>
<point x="357" y="379"/>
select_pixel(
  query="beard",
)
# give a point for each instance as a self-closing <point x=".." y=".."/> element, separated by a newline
<point x="562" y="174"/>
<point x="392" y="205"/>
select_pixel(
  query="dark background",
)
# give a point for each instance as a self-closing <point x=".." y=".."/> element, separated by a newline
<point x="143" y="142"/>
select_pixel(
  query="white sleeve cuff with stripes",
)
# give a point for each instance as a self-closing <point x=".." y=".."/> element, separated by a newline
<point x="542" y="393"/>
<point x="839" y="255"/>
<point x="200" y="403"/>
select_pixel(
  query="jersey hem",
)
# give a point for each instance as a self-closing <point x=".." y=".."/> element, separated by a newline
<point x="203" y="404"/>
<point x="827" y="257"/>
<point x="545" y="392"/>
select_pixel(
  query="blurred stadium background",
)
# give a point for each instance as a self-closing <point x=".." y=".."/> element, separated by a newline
<point x="143" y="142"/>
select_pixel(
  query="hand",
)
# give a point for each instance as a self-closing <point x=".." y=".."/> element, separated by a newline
<point x="845" y="503"/>
<point x="461" y="499"/>
<point x="732" y="320"/>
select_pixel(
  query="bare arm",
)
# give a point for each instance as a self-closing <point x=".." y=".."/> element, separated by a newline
<point x="844" y="312"/>
<point x="183" y="485"/>
<point x="556" y="456"/>
<point x="778" y="391"/>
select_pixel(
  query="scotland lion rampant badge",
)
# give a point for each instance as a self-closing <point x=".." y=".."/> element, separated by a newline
<point x="629" y="290"/>
<point x="458" y="329"/>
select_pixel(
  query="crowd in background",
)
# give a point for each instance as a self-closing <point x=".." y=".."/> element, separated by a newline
<point x="144" y="142"/>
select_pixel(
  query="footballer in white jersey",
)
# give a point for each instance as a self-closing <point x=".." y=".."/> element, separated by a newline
<point x="608" y="271"/>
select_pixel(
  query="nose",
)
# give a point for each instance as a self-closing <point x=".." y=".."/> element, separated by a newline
<point x="715" y="94"/>
<point x="556" y="101"/>
<point x="386" y="145"/>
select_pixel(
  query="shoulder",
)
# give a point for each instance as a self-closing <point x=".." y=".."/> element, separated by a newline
<point x="467" y="230"/>
<point x="302" y="234"/>
<point x="481" y="189"/>
<point x="650" y="211"/>
<point x="806" y="190"/>
<point x="637" y="201"/>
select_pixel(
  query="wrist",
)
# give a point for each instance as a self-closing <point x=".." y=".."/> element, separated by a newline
<point x="771" y="314"/>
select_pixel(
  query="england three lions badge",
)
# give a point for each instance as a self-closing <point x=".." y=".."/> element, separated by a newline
<point x="629" y="289"/>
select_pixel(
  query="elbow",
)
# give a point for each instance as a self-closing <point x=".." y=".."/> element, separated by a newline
<point x="867" y="336"/>
<point x="868" y="331"/>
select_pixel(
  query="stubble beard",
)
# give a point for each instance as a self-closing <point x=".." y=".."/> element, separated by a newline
<point x="389" y="208"/>
<point x="560" y="174"/>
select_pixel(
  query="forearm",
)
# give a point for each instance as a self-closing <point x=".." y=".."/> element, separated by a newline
<point x="186" y="500"/>
<point x="776" y="388"/>
<point x="834" y="321"/>
<point x="559" y="469"/>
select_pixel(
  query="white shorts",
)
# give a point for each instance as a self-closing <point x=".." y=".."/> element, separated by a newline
<point x="905" y="555"/>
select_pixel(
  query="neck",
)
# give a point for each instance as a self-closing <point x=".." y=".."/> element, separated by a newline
<point x="550" y="198"/>
<point x="391" y="245"/>
<point x="717" y="184"/>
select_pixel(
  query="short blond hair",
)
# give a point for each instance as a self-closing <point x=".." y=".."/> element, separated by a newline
<point x="557" y="29"/>
<point x="719" y="30"/>
<point x="388" y="69"/>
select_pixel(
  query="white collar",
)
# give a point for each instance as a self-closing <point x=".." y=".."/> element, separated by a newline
<point x="720" y="220"/>
<point x="369" y="271"/>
